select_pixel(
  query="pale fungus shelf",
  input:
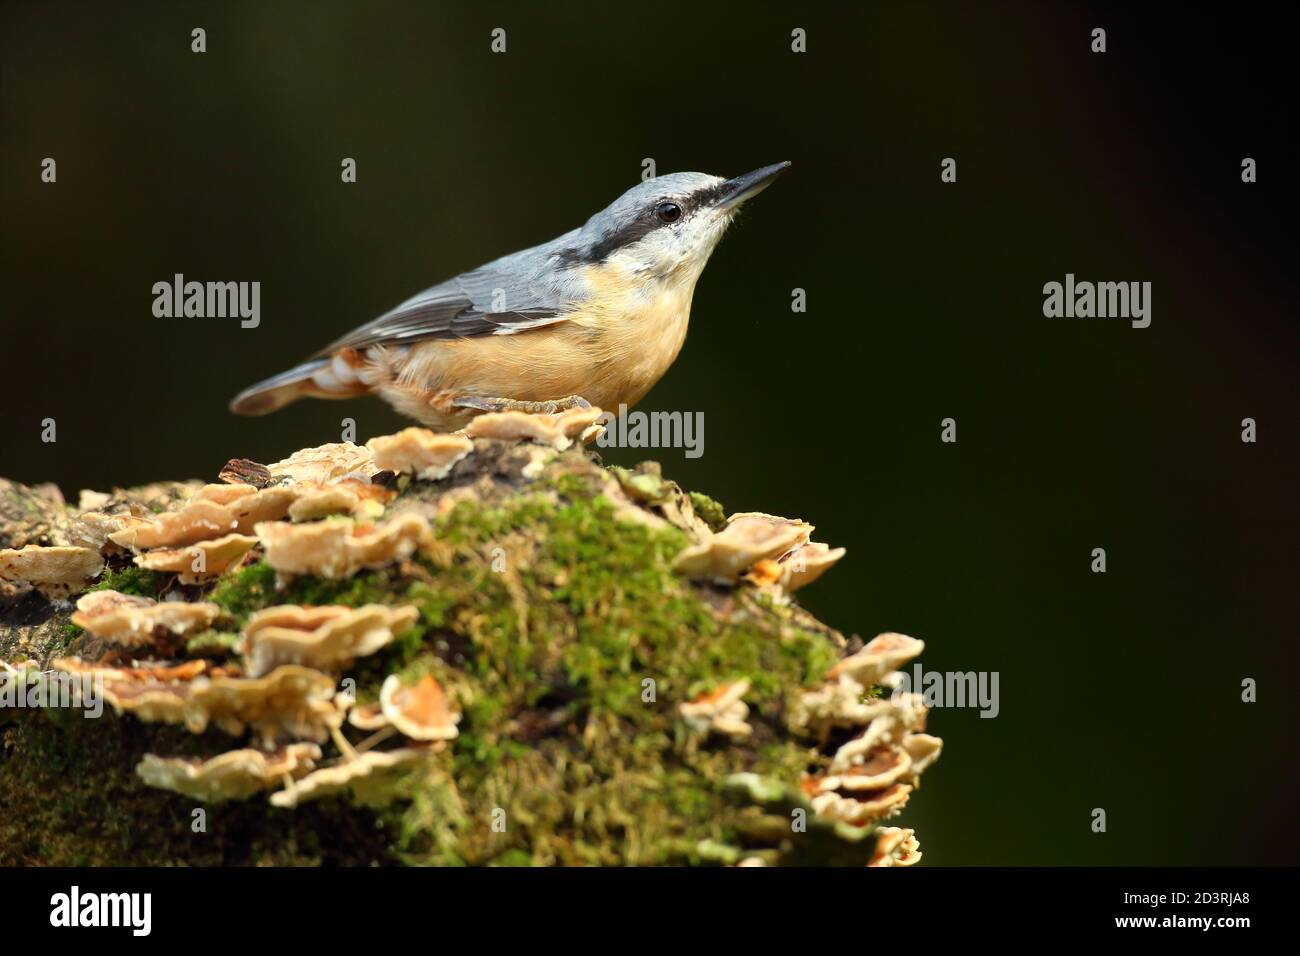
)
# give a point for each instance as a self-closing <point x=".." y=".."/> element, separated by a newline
<point x="796" y="569"/>
<point x="924" y="749"/>
<point x="235" y="775"/>
<point x="368" y="717"/>
<point x="151" y="693"/>
<point x="871" y="775"/>
<point x="325" y="465"/>
<point x="131" y="620"/>
<point x="420" y="712"/>
<point x="861" y="810"/>
<point x="559" y="431"/>
<point x="895" y="846"/>
<point x="367" y="778"/>
<point x="328" y="638"/>
<point x="94" y="529"/>
<point x="420" y="452"/>
<point x="290" y="702"/>
<point x="879" y="656"/>
<point x="201" y="561"/>
<point x="212" y="512"/>
<point x="720" y="711"/>
<point x="882" y="768"/>
<point x="55" y="572"/>
<point x="336" y="548"/>
<point x="348" y="498"/>
<point x="408" y="637"/>
<point x="889" y="723"/>
<point x="767" y="550"/>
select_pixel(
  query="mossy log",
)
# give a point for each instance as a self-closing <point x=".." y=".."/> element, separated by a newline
<point x="551" y="613"/>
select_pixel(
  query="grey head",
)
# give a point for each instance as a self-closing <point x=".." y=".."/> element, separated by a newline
<point x="665" y="225"/>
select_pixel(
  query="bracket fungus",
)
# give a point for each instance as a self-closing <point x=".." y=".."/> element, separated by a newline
<point x="338" y="548"/>
<point x="797" y="568"/>
<point x="895" y="846"/>
<point x="924" y="749"/>
<point x="878" y="770"/>
<point x="151" y="693"/>
<point x="131" y="620"/>
<point x="420" y="712"/>
<point x="765" y="550"/>
<point x="325" y="464"/>
<point x="882" y="654"/>
<point x="720" y="710"/>
<point x="890" y="724"/>
<point x="325" y="638"/>
<point x="559" y="431"/>
<point x="871" y="775"/>
<point x="236" y="775"/>
<point x="747" y="539"/>
<point x="200" y="561"/>
<point x="840" y="702"/>
<point x="94" y="529"/>
<point x="860" y="794"/>
<point x="368" y="778"/>
<point x="290" y="702"/>
<point x="426" y="454"/>
<point x="368" y="717"/>
<point x="54" y="571"/>
<point x="345" y="498"/>
<point x="861" y="810"/>
<point x="212" y="511"/>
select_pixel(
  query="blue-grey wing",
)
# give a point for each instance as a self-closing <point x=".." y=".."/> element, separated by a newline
<point x="488" y="301"/>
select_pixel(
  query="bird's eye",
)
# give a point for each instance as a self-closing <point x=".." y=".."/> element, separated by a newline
<point x="668" y="212"/>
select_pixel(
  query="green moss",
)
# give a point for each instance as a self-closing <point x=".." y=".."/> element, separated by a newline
<point x="254" y="587"/>
<point x="70" y="632"/>
<point x="245" y="591"/>
<point x="570" y="733"/>
<point x="569" y="484"/>
<point x="709" y="511"/>
<point x="649" y="487"/>
<point x="212" y="643"/>
<point x="132" y="580"/>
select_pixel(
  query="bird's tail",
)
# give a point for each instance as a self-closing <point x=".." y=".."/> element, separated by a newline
<point x="316" y="379"/>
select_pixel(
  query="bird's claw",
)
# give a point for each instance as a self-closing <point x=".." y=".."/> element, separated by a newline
<point x="514" y="405"/>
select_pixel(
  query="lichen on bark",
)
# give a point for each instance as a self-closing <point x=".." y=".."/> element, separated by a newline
<point x="549" y="611"/>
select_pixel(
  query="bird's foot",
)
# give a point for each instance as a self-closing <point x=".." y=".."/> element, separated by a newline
<point x="513" y="405"/>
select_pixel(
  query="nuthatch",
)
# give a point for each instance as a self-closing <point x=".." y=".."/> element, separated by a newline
<point x="593" y="317"/>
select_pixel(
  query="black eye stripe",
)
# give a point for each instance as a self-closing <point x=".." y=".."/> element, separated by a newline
<point x="710" y="195"/>
<point x="646" y="222"/>
<point x="612" y="242"/>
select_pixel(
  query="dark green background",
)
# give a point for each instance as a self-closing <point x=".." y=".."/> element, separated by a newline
<point x="1118" y="691"/>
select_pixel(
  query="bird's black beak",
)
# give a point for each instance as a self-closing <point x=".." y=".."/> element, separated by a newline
<point x="736" y="191"/>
